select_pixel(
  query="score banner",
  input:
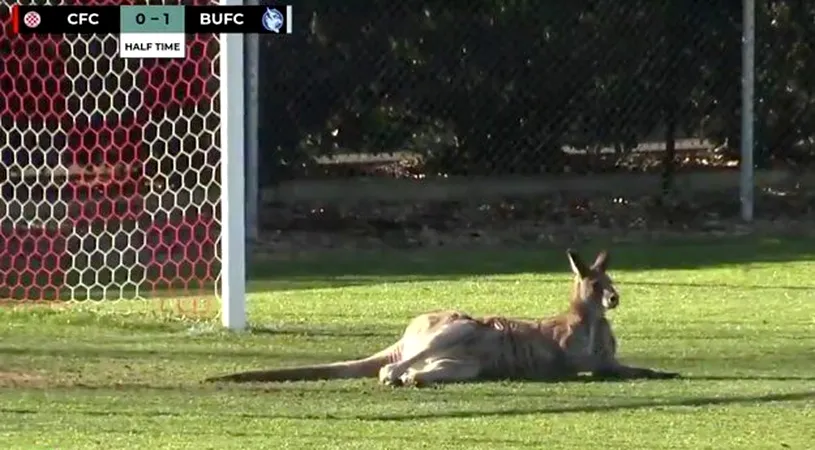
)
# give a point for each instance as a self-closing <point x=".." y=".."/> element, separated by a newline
<point x="152" y="31"/>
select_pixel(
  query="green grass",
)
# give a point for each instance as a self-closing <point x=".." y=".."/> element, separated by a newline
<point x="737" y="318"/>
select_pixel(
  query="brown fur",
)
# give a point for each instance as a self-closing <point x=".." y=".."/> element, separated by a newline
<point x="451" y="346"/>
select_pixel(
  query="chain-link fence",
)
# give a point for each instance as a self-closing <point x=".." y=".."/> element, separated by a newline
<point x="520" y="99"/>
<point x="496" y="87"/>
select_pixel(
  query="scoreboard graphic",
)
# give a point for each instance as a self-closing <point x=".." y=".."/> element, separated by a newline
<point x="147" y="31"/>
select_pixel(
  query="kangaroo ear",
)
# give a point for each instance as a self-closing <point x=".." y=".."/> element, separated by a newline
<point x="578" y="267"/>
<point x="601" y="263"/>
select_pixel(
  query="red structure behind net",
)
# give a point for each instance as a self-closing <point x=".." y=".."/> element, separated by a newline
<point x="109" y="184"/>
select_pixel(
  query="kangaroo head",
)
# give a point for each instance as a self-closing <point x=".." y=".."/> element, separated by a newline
<point x="593" y="288"/>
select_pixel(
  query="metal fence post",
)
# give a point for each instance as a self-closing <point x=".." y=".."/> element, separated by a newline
<point x="747" y="182"/>
<point x="251" y="86"/>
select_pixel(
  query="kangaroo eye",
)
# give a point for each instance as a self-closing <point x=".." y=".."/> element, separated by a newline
<point x="596" y="286"/>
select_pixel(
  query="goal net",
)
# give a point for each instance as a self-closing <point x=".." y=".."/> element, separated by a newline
<point x="110" y="180"/>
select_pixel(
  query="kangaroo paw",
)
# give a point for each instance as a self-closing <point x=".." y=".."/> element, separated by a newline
<point x="389" y="376"/>
<point x="412" y="378"/>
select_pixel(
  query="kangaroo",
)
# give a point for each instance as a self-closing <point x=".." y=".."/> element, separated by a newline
<point x="452" y="346"/>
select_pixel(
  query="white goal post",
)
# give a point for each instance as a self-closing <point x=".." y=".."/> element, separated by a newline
<point x="233" y="194"/>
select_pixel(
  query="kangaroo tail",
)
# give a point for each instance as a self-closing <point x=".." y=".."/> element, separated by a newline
<point x="358" y="368"/>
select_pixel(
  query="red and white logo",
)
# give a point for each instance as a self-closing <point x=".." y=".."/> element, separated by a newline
<point x="31" y="19"/>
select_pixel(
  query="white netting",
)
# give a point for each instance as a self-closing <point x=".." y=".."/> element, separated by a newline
<point x="110" y="168"/>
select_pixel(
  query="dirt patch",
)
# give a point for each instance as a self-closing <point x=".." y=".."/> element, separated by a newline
<point x="21" y="379"/>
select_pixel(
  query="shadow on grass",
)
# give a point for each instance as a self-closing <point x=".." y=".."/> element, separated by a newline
<point x="298" y="282"/>
<point x="748" y="378"/>
<point x="346" y="269"/>
<point x="143" y="355"/>
<point x="590" y="379"/>
<point x="779" y="287"/>
<point x="306" y="331"/>
<point x="627" y="406"/>
<point x="337" y="268"/>
<point x="698" y="402"/>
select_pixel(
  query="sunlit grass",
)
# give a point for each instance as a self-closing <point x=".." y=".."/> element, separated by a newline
<point x="738" y="320"/>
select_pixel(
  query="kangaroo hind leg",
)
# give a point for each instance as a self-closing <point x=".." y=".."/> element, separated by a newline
<point x="442" y="371"/>
<point x="436" y="345"/>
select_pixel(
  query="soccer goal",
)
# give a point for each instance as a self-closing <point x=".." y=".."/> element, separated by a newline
<point x="122" y="179"/>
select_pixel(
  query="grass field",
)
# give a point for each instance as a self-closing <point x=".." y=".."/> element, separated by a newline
<point x="736" y="317"/>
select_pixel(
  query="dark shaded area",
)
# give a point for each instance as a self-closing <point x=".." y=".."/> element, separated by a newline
<point x="622" y="406"/>
<point x="122" y="354"/>
<point x="749" y="378"/>
<point x="494" y="87"/>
